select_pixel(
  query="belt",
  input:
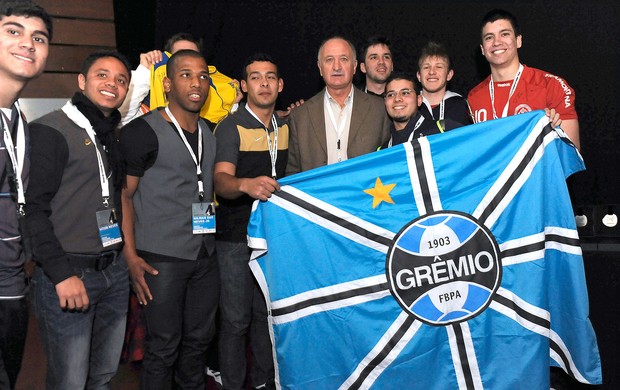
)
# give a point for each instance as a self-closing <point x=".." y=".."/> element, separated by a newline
<point x="97" y="262"/>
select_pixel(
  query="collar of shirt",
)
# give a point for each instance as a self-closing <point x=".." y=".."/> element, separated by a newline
<point x="337" y="123"/>
<point x="348" y="100"/>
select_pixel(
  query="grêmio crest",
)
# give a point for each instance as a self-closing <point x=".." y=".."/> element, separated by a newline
<point x="444" y="268"/>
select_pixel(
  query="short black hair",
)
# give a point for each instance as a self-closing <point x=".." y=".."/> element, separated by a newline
<point x="182" y="36"/>
<point x="434" y="49"/>
<point x="28" y="10"/>
<point x="172" y="62"/>
<point x="403" y="76"/>
<point x="374" y="40"/>
<point x="257" y="57"/>
<point x="91" y="58"/>
<point x="500" y="14"/>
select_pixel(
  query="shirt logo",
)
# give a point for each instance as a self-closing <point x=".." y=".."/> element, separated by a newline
<point x="522" y="109"/>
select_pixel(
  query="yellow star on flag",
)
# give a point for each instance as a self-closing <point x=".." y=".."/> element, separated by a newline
<point x="380" y="193"/>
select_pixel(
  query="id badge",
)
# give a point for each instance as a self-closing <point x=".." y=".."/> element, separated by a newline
<point x="203" y="217"/>
<point x="109" y="231"/>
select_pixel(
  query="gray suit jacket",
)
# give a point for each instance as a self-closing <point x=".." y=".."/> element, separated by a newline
<point x="370" y="128"/>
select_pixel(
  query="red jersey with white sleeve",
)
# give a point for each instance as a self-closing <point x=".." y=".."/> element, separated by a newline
<point x="535" y="90"/>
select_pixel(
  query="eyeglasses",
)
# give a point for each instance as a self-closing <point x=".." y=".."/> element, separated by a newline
<point x="402" y="93"/>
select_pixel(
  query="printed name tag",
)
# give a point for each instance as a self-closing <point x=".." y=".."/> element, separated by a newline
<point x="109" y="231"/>
<point x="203" y="217"/>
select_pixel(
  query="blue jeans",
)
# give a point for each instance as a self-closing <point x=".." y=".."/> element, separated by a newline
<point x="243" y="313"/>
<point x="83" y="349"/>
<point x="180" y="321"/>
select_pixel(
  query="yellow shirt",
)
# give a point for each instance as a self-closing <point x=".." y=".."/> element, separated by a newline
<point x="221" y="98"/>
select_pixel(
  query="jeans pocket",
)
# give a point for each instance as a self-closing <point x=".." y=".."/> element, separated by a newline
<point x="122" y="263"/>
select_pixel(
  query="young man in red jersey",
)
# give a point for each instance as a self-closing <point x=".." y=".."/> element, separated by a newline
<point x="513" y="88"/>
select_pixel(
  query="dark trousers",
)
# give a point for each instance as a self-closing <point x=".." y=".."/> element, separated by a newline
<point x="180" y="321"/>
<point x="13" y="329"/>
<point x="243" y="315"/>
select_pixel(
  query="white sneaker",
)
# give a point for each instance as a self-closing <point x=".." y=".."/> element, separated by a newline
<point x="215" y="375"/>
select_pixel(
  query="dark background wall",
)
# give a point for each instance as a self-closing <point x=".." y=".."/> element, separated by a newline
<point x="575" y="39"/>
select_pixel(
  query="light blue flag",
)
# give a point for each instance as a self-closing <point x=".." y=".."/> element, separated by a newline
<point x="449" y="262"/>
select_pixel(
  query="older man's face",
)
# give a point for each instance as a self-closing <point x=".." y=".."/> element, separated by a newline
<point x="337" y="64"/>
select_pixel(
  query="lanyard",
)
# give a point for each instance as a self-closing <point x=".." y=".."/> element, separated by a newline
<point x="442" y="107"/>
<point x="197" y="161"/>
<point x="16" y="159"/>
<point x="79" y="119"/>
<point x="512" y="90"/>
<point x="272" y="146"/>
<point x="417" y="124"/>
<point x="339" y="129"/>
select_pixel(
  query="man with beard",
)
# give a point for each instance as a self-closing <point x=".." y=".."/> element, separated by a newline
<point x="376" y="64"/>
<point x="401" y="103"/>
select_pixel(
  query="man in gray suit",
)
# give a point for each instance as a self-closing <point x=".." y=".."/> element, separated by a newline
<point x="340" y="122"/>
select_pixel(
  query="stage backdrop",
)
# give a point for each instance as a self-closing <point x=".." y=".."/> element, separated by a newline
<point x="575" y="39"/>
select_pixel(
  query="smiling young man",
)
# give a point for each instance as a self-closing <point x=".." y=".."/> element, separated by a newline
<point x="376" y="64"/>
<point x="438" y="103"/>
<point x="167" y="199"/>
<point x="513" y="88"/>
<point x="80" y="282"/>
<point x="252" y="153"/>
<point x="401" y="104"/>
<point x="25" y="33"/>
